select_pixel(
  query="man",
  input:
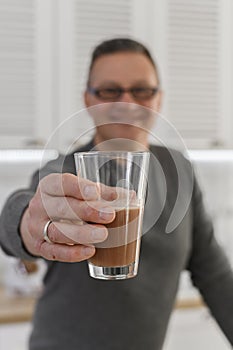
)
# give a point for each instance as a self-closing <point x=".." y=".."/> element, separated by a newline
<point x="76" y="311"/>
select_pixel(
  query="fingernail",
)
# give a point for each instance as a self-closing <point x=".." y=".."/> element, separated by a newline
<point x="88" y="251"/>
<point x="106" y="213"/>
<point x="90" y="191"/>
<point x="99" y="234"/>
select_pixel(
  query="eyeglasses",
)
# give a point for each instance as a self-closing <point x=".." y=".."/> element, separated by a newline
<point x="113" y="94"/>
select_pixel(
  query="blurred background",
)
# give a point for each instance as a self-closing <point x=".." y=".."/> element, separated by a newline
<point x="44" y="55"/>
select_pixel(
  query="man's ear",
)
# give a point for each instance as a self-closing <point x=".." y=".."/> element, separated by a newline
<point x="86" y="98"/>
<point x="160" y="100"/>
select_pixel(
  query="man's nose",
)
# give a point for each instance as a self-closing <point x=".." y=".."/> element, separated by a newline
<point x="126" y="96"/>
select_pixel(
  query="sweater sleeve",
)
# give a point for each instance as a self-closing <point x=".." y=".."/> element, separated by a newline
<point x="210" y="270"/>
<point x="10" y="239"/>
<point x="17" y="203"/>
<point x="10" y="218"/>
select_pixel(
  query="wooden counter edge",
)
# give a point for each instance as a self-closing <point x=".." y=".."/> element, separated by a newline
<point x="189" y="303"/>
<point x="14" y="309"/>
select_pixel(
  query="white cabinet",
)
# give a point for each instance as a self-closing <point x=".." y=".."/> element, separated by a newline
<point x="14" y="336"/>
<point x="45" y="52"/>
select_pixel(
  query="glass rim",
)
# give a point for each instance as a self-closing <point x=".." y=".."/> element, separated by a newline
<point x="114" y="153"/>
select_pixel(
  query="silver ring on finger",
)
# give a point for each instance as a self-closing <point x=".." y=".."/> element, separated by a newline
<point x="45" y="232"/>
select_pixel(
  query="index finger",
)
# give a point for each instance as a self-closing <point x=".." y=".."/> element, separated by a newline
<point x="69" y="185"/>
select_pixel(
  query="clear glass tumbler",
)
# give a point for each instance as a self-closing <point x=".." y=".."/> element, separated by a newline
<point x="118" y="256"/>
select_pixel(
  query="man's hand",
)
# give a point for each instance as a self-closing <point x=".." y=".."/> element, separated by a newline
<point x="78" y="216"/>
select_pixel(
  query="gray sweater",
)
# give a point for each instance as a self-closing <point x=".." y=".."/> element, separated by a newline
<point x="76" y="311"/>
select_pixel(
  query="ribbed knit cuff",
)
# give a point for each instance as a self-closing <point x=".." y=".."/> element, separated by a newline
<point x="10" y="219"/>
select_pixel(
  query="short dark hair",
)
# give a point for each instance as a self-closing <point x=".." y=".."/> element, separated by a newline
<point x="120" y="45"/>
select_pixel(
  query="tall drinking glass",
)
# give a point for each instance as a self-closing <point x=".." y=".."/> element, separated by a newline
<point x="118" y="256"/>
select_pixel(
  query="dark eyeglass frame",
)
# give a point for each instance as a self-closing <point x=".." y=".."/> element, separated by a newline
<point x="119" y="92"/>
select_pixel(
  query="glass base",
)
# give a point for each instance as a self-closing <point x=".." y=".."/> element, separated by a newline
<point x="114" y="272"/>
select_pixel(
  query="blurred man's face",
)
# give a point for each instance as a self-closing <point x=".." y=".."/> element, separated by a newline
<point x="110" y="76"/>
